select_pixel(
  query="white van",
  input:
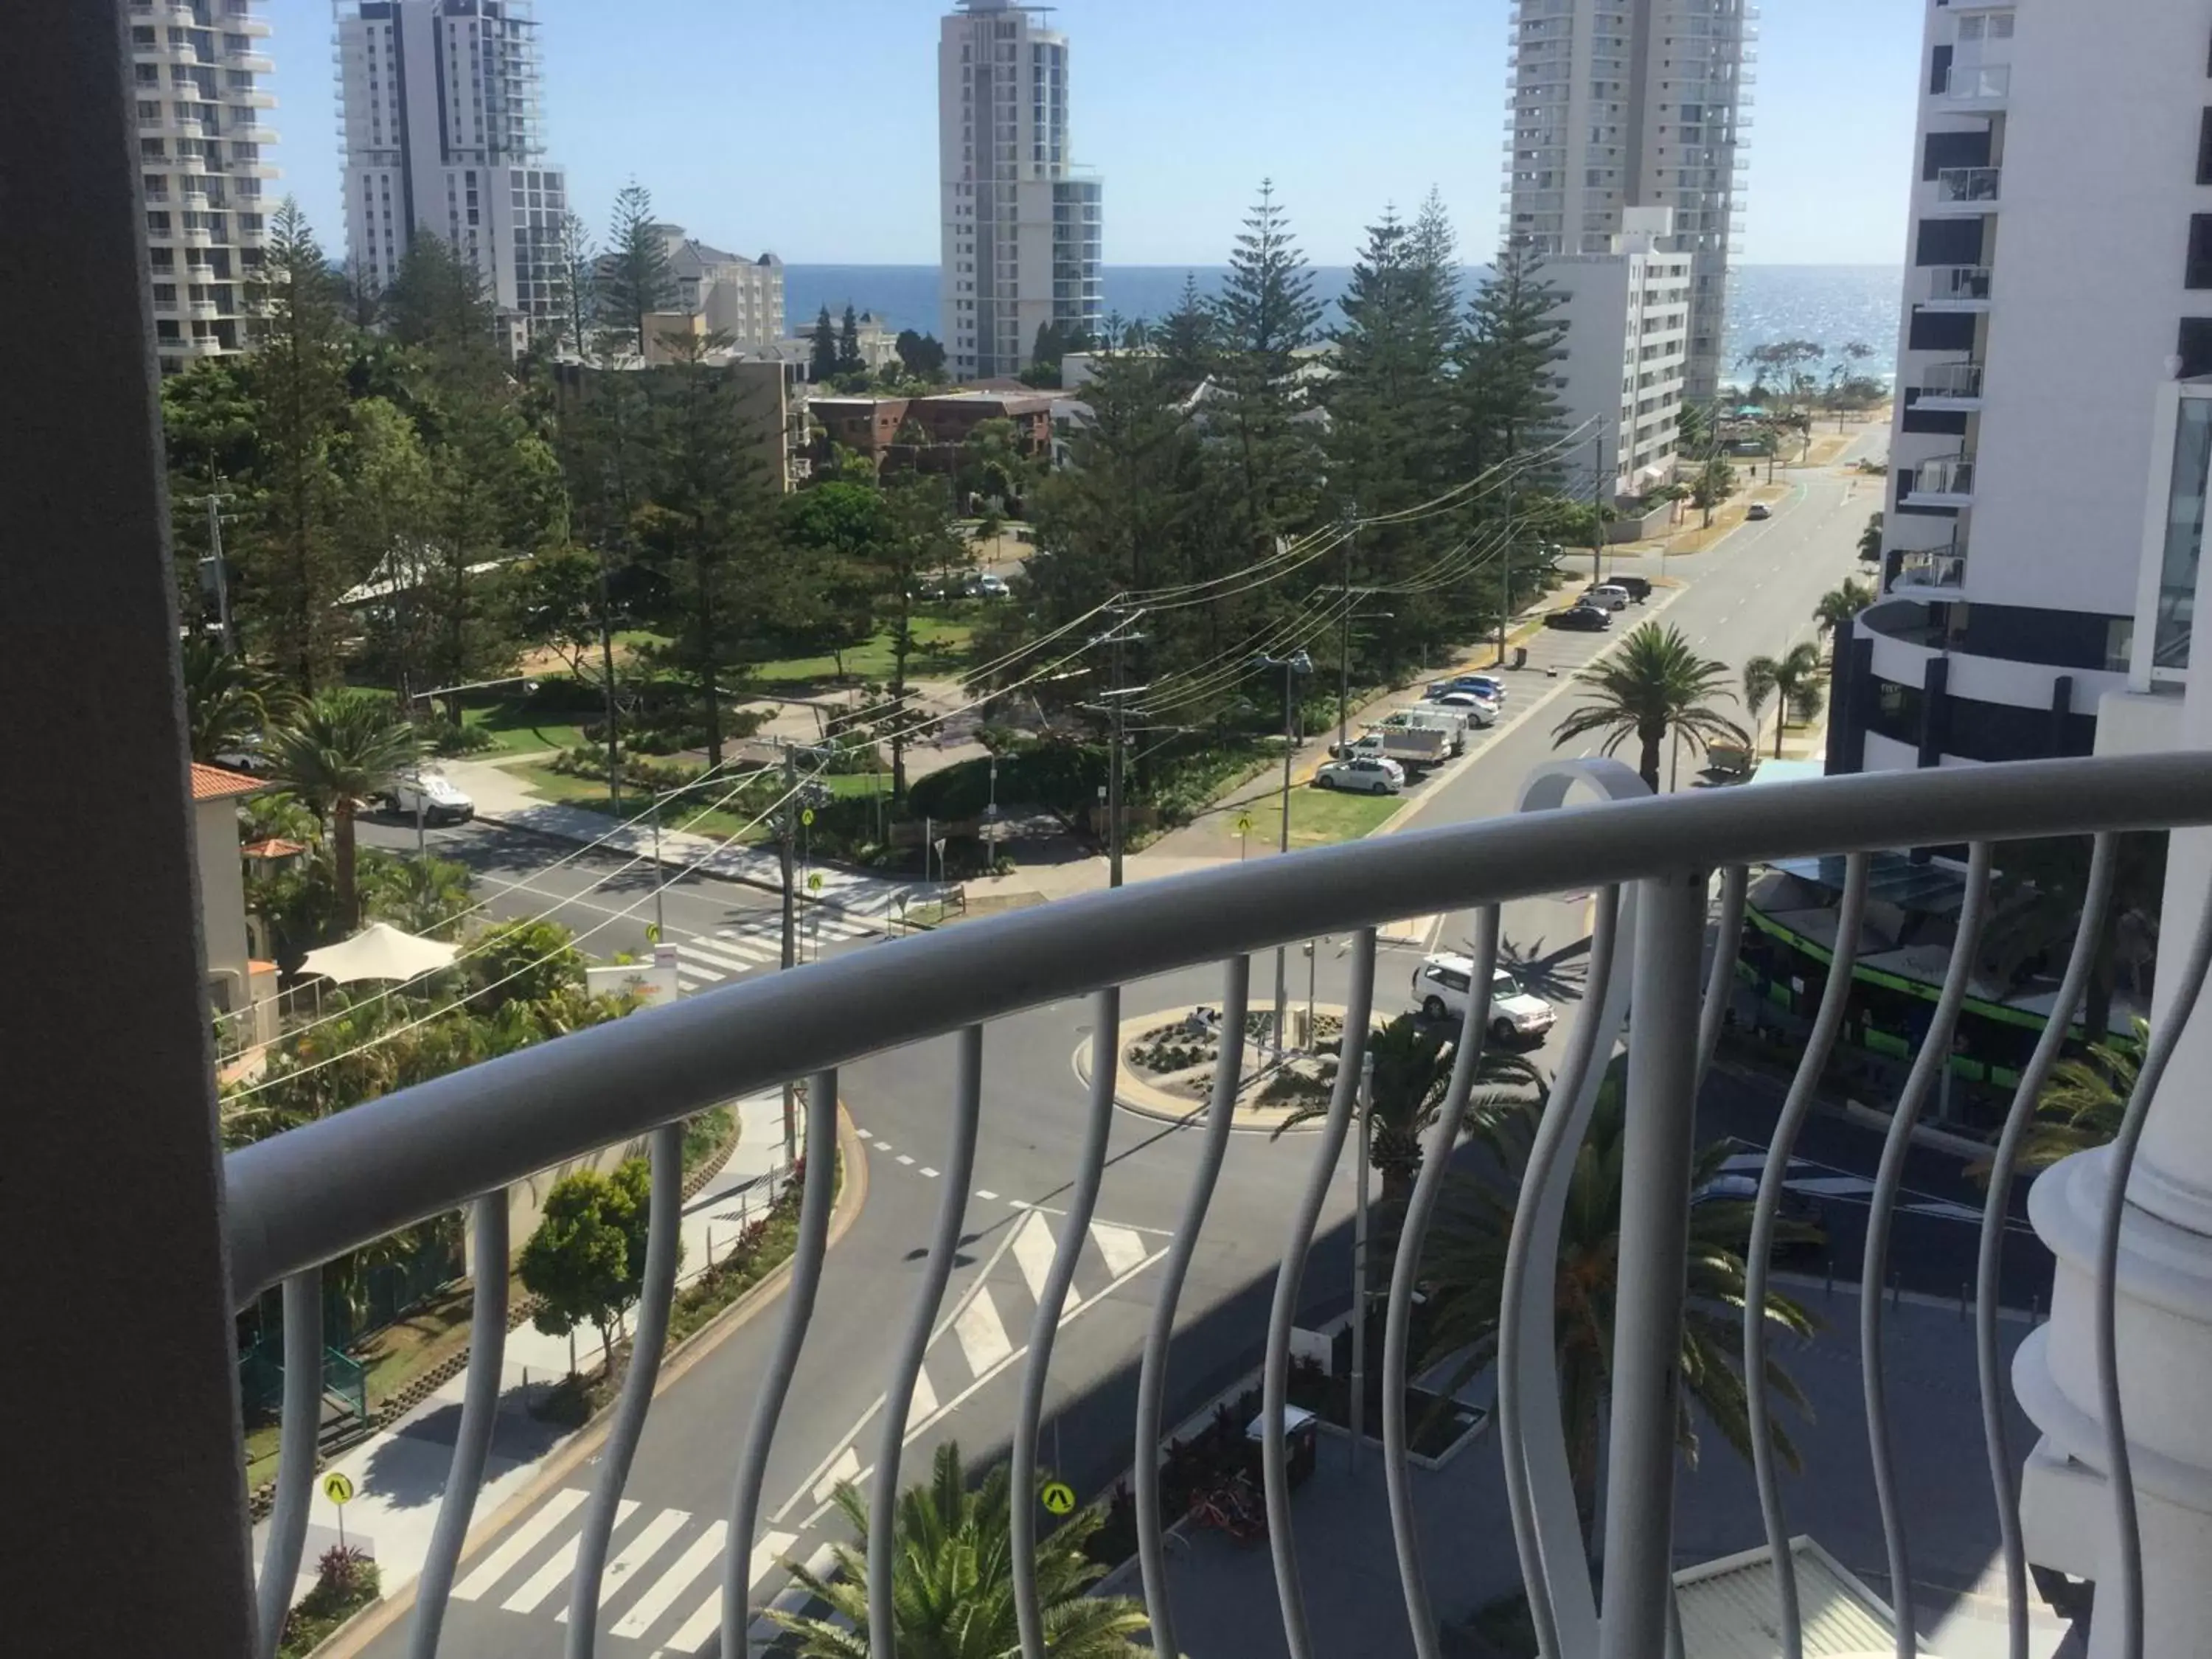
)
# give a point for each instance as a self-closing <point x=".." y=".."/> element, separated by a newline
<point x="429" y="793"/>
<point x="1607" y="596"/>
<point x="1441" y="985"/>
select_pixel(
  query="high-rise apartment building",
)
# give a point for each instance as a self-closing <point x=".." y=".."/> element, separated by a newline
<point x="1621" y="104"/>
<point x="2057" y="317"/>
<point x="1021" y="225"/>
<point x="444" y="133"/>
<point x="204" y="158"/>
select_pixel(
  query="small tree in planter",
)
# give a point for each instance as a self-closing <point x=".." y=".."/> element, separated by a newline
<point x="585" y="1262"/>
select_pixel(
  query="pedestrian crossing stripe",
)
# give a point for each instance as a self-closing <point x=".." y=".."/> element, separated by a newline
<point x="635" y="1553"/>
<point x="707" y="1618"/>
<point x="519" y="1543"/>
<point x="704" y="1550"/>
<point x="558" y="1570"/>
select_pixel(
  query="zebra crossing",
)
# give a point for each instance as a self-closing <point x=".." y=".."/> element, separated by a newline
<point x="661" y="1595"/>
<point x="706" y="960"/>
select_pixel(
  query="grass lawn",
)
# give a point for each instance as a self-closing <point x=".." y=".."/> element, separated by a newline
<point x="940" y="647"/>
<point x="515" y="731"/>
<point x="1319" y="817"/>
<point x="591" y="794"/>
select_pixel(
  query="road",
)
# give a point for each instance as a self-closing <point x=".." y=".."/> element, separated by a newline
<point x="1754" y="594"/>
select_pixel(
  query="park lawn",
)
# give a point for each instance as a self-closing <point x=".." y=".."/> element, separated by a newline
<point x="940" y="643"/>
<point x="515" y="731"/>
<point x="1319" y="817"/>
<point x="591" y="794"/>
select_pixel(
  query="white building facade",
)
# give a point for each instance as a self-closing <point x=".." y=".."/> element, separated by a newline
<point x="1022" y="227"/>
<point x="737" y="296"/>
<point x="203" y="159"/>
<point x="2060" y="249"/>
<point x="1626" y="350"/>
<point x="1623" y="103"/>
<point x="444" y="133"/>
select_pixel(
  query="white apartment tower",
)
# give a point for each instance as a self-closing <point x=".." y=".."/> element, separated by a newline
<point x="1622" y="103"/>
<point x="1626" y="351"/>
<point x="1021" y="225"/>
<point x="203" y="157"/>
<point x="2057" y="322"/>
<point x="443" y="133"/>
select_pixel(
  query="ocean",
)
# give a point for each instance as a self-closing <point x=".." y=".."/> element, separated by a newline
<point x="1830" y="304"/>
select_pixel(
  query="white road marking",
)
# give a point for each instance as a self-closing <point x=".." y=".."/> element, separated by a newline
<point x="865" y="1134"/>
<point x="1033" y="1249"/>
<point x="754" y="947"/>
<point x="519" y="1543"/>
<point x="925" y="1402"/>
<point x="673" y="1582"/>
<point x="640" y="1550"/>
<point x="904" y="1159"/>
<point x="926" y="1171"/>
<point x="719" y="955"/>
<point x="1124" y="1250"/>
<point x="708" y="1620"/>
<point x="847" y="1467"/>
<point x="555" y="1573"/>
<point x="685" y="970"/>
<point x="982" y="1338"/>
<point x="987" y="1195"/>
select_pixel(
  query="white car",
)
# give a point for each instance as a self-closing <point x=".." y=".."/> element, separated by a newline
<point x="1606" y="596"/>
<point x="1478" y="709"/>
<point x="432" y="794"/>
<point x="1372" y="774"/>
<point x="1441" y="985"/>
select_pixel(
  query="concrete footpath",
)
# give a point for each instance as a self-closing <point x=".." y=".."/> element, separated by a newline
<point x="399" y="1473"/>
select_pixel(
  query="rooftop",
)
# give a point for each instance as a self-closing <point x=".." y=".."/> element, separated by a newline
<point x="219" y="783"/>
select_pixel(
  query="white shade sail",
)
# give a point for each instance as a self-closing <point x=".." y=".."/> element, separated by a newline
<point x="379" y="950"/>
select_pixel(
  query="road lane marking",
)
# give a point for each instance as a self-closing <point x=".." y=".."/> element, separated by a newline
<point x="673" y="1582"/>
<point x="1124" y="1250"/>
<point x="708" y="1620"/>
<point x="1033" y="1250"/>
<point x="520" y="1542"/>
<point x="985" y="1195"/>
<point x="924" y="1404"/>
<point x="640" y="1550"/>
<point x="906" y="1160"/>
<point x="982" y="1337"/>
<point x="555" y="1572"/>
<point x="847" y="1467"/>
<point x="926" y="1171"/>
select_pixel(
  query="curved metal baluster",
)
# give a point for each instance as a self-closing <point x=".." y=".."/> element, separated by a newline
<point x="1274" y="1461"/>
<point x="898" y="1398"/>
<point x="811" y="1246"/>
<point x="301" y="1422"/>
<point x="479" y="1416"/>
<point x="1935" y="1052"/>
<point x="1436" y="1156"/>
<point x="1538" y="1491"/>
<point x="1797" y="1106"/>
<point x="663" y="1237"/>
<point x="1044" y="1325"/>
<point x="1153" y="1377"/>
<point x="2119" y="1471"/>
<point x="2004" y="1478"/>
<point x="1720" y="984"/>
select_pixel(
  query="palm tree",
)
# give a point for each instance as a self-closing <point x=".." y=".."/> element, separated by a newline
<point x="954" y="1598"/>
<point x="1655" y="686"/>
<point x="1464" y="1272"/>
<point x="2082" y="1104"/>
<point x="417" y="895"/>
<point x="1795" y="676"/>
<point x="1839" y="605"/>
<point x="337" y="749"/>
<point x="1412" y="1070"/>
<point x="1870" y="540"/>
<point x="227" y="701"/>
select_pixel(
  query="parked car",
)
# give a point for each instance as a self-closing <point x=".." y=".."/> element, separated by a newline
<point x="1481" y="712"/>
<point x="1485" y="685"/>
<point x="983" y="585"/>
<point x="1368" y="774"/>
<point x="1606" y="596"/>
<point x="1758" y="510"/>
<point x="432" y="794"/>
<point x="1639" y="587"/>
<point x="1427" y="717"/>
<point x="1441" y="984"/>
<point x="1582" y="618"/>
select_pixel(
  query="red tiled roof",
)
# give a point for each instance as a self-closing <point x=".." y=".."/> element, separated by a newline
<point x="274" y="848"/>
<point x="216" y="783"/>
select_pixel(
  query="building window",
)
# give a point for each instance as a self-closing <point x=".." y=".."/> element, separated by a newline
<point x="2199" y="274"/>
<point x="2185" y="533"/>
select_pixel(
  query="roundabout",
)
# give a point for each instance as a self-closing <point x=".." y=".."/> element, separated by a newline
<point x="1168" y="1057"/>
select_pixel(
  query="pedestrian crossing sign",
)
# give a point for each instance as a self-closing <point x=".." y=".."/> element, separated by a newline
<point x="338" y="1487"/>
<point x="1057" y="1497"/>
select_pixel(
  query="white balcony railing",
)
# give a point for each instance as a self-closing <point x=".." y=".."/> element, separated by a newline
<point x="1978" y="83"/>
<point x="1951" y="477"/>
<point x="304" y="1197"/>
<point x="1958" y="284"/>
<point x="1951" y="380"/>
<point x="1968" y="184"/>
<point x="1943" y="568"/>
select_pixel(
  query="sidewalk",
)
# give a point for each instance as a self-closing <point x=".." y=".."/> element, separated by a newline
<point x="501" y="797"/>
<point x="399" y="1473"/>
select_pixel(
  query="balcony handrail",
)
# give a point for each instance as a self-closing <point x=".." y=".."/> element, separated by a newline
<point x="308" y="1195"/>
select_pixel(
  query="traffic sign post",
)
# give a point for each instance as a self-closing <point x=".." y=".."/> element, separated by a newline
<point x="338" y="1487"/>
<point x="1245" y="834"/>
<point x="1057" y="1497"/>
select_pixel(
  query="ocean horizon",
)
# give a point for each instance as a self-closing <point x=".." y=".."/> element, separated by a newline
<point x="1830" y="304"/>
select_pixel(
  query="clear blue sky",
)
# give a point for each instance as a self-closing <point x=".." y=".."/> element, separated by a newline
<point x="809" y="126"/>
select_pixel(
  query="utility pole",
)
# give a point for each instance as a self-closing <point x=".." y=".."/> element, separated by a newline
<point x="222" y="575"/>
<point x="607" y="668"/>
<point x="1505" y="580"/>
<point x="790" y="943"/>
<point x="1360" y="1175"/>
<point x="1114" y="763"/>
<point x="1344" y="644"/>
<point x="1597" y="509"/>
<point x="661" y="877"/>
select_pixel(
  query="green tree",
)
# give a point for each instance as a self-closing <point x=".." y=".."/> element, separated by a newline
<point x="416" y="895"/>
<point x="524" y="962"/>
<point x="1185" y="341"/>
<point x="1870" y="539"/>
<point x="390" y="490"/>
<point x="1840" y="603"/>
<point x="953" y="1593"/>
<point x="636" y="278"/>
<point x="821" y="362"/>
<point x="227" y="701"/>
<point x="335" y="750"/>
<point x="576" y="278"/>
<point x="849" y="360"/>
<point x="1509" y="382"/>
<point x="1463" y="1267"/>
<point x="992" y="465"/>
<point x="1413" y="1073"/>
<point x="835" y="536"/>
<point x="921" y="536"/>
<point x="585" y="1262"/>
<point x="1716" y="482"/>
<point x="2081" y="1107"/>
<point x="436" y="305"/>
<point x="288" y="554"/>
<point x="1796" y="679"/>
<point x="1654" y="687"/>
<point x="922" y="355"/>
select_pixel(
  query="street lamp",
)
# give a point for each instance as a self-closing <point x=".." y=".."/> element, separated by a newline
<point x="1293" y="666"/>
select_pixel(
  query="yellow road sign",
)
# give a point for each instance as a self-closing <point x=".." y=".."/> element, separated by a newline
<point x="807" y="816"/>
<point x="1057" y="1497"/>
<point x="338" y="1487"/>
<point x="1244" y="823"/>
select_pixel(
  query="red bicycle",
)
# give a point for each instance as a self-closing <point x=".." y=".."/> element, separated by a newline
<point x="1233" y="1506"/>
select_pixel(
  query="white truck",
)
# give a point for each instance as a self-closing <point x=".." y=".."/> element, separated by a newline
<point x="1410" y="746"/>
<point x="1450" y="721"/>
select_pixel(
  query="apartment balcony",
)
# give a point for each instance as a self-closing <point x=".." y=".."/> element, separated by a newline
<point x="1951" y="387"/>
<point x="1948" y="481"/>
<point x="1939" y="572"/>
<point x="1977" y="86"/>
<point x="1668" y="879"/>
<point x="1957" y="288"/>
<point x="1976" y="188"/>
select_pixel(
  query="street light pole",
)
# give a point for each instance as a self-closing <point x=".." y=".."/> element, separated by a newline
<point x="1344" y="638"/>
<point x="790" y="942"/>
<point x="222" y="576"/>
<point x="659" y="876"/>
<point x="1114" y="775"/>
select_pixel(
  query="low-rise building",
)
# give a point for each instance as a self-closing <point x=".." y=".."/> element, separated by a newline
<point x="925" y="434"/>
<point x="767" y="390"/>
<point x="740" y="297"/>
<point x="878" y="341"/>
<point x="241" y="991"/>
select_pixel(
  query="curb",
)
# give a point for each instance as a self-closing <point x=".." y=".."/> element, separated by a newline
<point x="372" y="1621"/>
